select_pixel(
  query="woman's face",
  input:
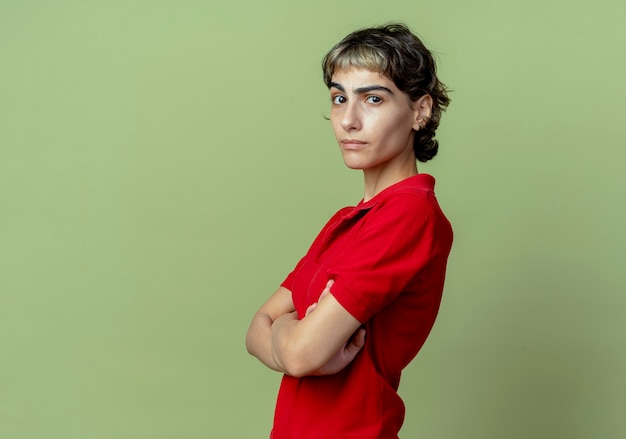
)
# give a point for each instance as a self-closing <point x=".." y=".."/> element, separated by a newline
<point x="374" y="121"/>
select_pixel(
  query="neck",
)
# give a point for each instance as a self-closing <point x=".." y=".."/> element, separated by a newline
<point x="377" y="180"/>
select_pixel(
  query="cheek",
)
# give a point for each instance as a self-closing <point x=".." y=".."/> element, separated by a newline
<point x="335" y="125"/>
<point x="401" y="125"/>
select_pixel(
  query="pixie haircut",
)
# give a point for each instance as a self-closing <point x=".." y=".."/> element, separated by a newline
<point x="393" y="51"/>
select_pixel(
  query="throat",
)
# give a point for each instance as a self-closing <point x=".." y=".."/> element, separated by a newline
<point x="375" y="183"/>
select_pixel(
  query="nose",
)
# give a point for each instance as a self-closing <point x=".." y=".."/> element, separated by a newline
<point x="351" y="120"/>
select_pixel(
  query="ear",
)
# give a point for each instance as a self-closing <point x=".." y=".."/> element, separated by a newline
<point x="423" y="108"/>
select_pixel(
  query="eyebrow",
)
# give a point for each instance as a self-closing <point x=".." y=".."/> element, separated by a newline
<point x="362" y="90"/>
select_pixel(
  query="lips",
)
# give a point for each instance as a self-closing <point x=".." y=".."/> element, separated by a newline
<point x="352" y="143"/>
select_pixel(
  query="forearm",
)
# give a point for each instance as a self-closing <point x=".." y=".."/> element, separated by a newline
<point x="319" y="344"/>
<point x="259" y="340"/>
<point x="285" y="345"/>
<point x="259" y="336"/>
<point x="273" y="344"/>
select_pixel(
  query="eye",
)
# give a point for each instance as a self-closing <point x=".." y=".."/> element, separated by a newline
<point x="338" y="99"/>
<point x="373" y="100"/>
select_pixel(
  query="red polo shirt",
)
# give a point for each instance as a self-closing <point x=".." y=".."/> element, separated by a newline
<point x="388" y="259"/>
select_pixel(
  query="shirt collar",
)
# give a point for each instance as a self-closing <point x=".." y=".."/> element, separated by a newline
<point x="420" y="182"/>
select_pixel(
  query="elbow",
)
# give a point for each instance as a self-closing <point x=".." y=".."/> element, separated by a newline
<point x="296" y="370"/>
<point x="296" y="361"/>
<point x="249" y="347"/>
<point x="250" y="341"/>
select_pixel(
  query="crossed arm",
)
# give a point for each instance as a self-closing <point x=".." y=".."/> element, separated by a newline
<point x="324" y="342"/>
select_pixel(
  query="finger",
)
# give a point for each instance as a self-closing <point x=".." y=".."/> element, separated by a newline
<point x="358" y="340"/>
<point x="310" y="309"/>
<point x="329" y="284"/>
<point x="355" y="345"/>
<point x="326" y="289"/>
<point x="324" y="294"/>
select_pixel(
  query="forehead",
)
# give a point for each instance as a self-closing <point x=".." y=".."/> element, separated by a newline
<point x="359" y="74"/>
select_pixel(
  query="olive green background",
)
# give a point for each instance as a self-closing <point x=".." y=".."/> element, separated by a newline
<point x="163" y="165"/>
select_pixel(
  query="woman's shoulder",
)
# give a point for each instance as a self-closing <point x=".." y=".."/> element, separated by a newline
<point x="408" y="199"/>
<point x="405" y="206"/>
<point x="412" y="202"/>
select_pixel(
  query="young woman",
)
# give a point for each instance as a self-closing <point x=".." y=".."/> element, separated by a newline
<point x="359" y="305"/>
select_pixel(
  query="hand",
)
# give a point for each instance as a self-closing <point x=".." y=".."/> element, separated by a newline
<point x="325" y="293"/>
<point x="346" y="354"/>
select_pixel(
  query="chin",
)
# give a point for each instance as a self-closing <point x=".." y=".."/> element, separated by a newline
<point x="355" y="166"/>
<point x="353" y="162"/>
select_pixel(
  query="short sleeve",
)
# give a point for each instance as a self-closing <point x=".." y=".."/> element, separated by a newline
<point x="332" y="222"/>
<point x="394" y="245"/>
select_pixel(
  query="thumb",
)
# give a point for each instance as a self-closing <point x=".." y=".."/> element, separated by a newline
<point x="326" y="290"/>
<point x="355" y="345"/>
<point x="358" y="340"/>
